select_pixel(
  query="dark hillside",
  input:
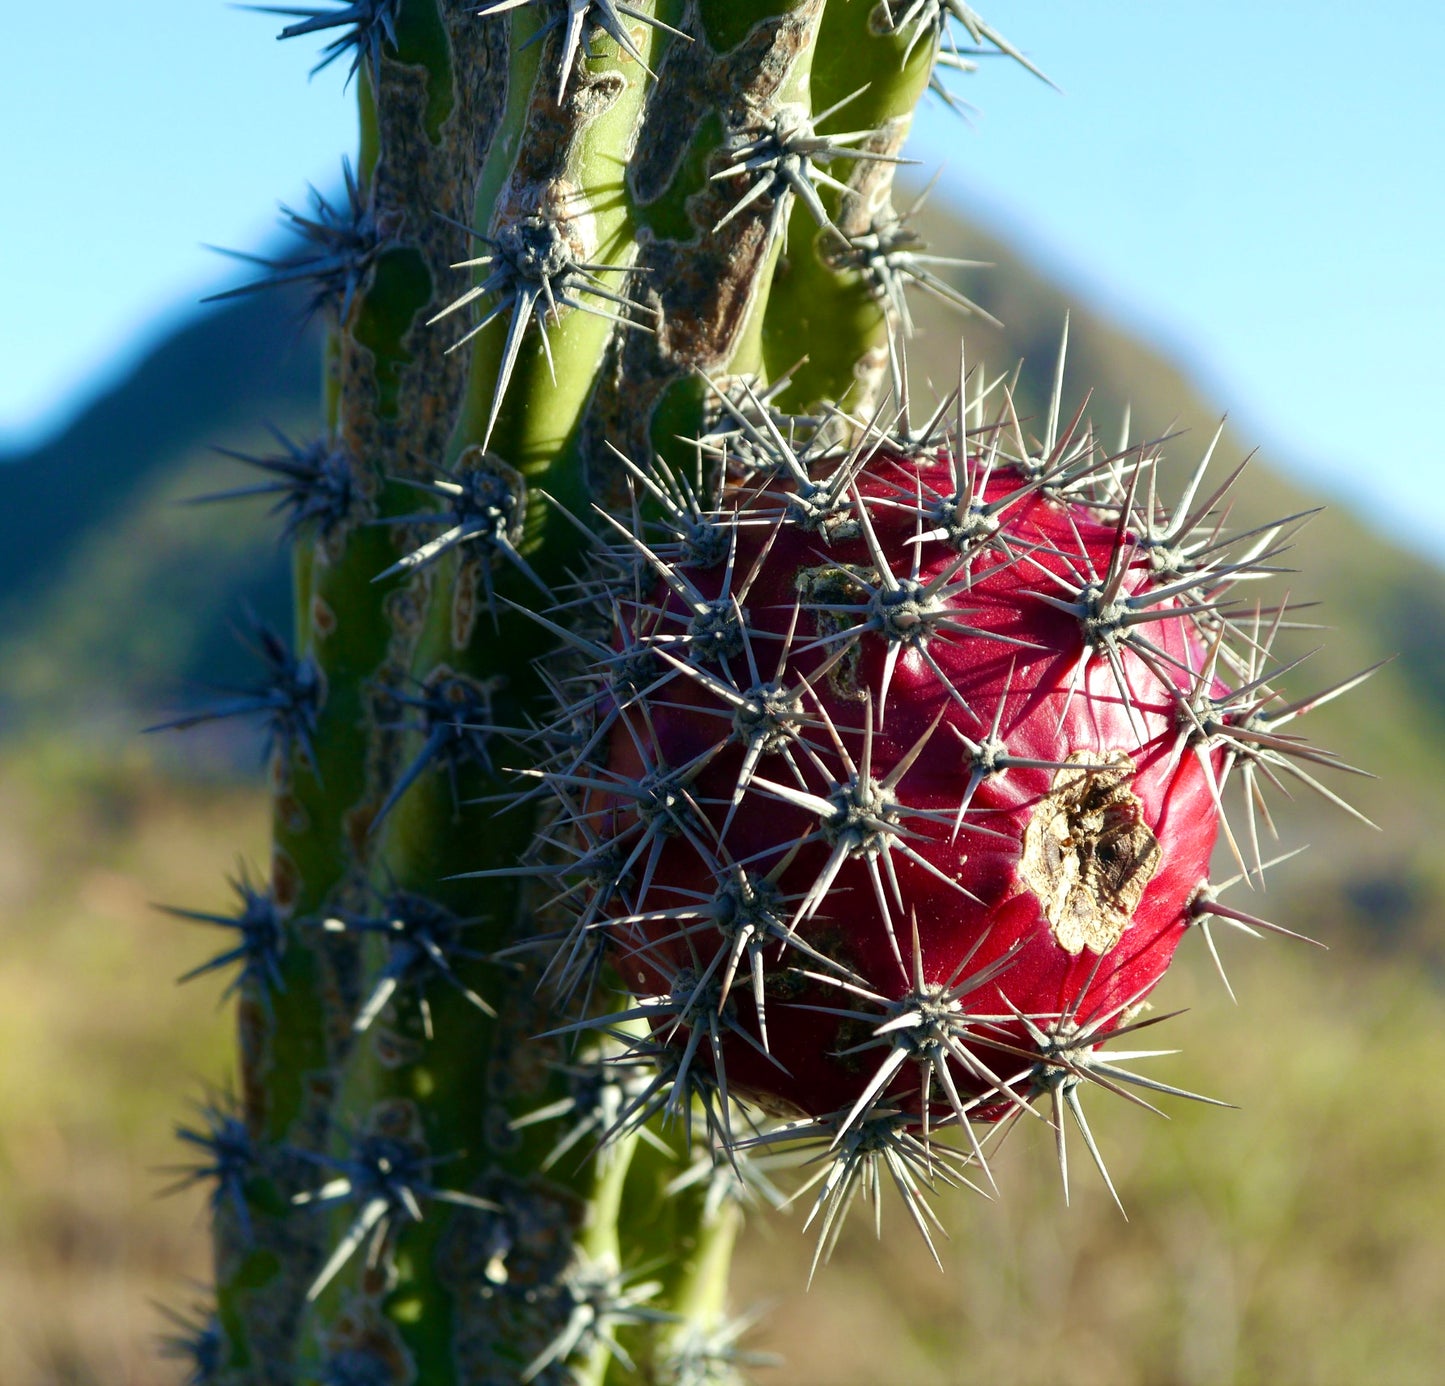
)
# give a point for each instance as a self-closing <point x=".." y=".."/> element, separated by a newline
<point x="106" y="593"/>
<point x="229" y="365"/>
<point x="119" y="601"/>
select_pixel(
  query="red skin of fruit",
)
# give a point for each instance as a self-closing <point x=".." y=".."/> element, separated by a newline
<point x="1041" y="720"/>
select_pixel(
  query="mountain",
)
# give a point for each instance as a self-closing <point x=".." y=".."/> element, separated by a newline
<point x="118" y="600"/>
<point x="110" y="592"/>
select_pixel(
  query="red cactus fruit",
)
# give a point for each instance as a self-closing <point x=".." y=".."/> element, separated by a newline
<point x="912" y="779"/>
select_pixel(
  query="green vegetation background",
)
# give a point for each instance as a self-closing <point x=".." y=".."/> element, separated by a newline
<point x="1300" y="1239"/>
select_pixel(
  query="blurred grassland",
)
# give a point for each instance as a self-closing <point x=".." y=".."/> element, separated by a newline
<point x="1298" y="1240"/>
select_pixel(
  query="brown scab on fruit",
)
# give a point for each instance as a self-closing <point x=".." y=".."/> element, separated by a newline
<point x="1087" y="852"/>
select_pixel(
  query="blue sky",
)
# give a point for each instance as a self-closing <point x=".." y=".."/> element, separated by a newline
<point x="1257" y="185"/>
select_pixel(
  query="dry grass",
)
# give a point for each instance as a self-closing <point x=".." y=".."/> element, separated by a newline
<point x="1299" y="1240"/>
<point x="102" y="1050"/>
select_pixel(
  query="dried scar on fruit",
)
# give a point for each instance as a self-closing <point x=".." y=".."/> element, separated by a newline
<point x="1087" y="853"/>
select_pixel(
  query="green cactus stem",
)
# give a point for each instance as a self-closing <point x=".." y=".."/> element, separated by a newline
<point x="580" y="235"/>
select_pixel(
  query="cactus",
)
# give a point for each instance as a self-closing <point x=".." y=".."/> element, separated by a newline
<point x="674" y="735"/>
